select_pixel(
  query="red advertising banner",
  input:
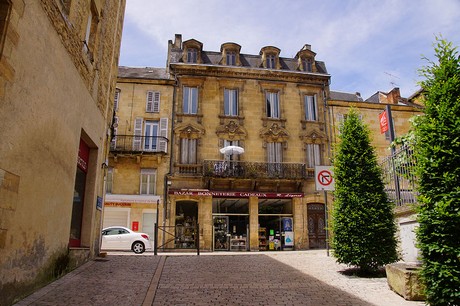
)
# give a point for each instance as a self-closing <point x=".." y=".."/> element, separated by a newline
<point x="383" y="122"/>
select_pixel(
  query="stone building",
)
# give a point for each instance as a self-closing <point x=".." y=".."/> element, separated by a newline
<point x="399" y="186"/>
<point x="140" y="150"/>
<point x="271" y="107"/>
<point x="58" y="65"/>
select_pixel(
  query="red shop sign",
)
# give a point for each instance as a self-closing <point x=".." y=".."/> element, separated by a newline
<point x="83" y="156"/>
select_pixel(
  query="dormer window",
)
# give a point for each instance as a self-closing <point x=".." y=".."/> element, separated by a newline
<point x="270" y="57"/>
<point x="307" y="65"/>
<point x="270" y="62"/>
<point x="231" y="58"/>
<point x="192" y="55"/>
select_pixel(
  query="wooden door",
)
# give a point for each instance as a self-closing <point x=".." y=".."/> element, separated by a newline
<point x="316" y="226"/>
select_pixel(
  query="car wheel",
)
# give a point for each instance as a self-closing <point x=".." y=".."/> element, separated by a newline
<point x="138" y="247"/>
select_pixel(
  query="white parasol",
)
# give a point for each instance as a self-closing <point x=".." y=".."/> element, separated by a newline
<point x="232" y="150"/>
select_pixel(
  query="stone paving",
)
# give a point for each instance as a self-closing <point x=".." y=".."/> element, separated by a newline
<point x="245" y="278"/>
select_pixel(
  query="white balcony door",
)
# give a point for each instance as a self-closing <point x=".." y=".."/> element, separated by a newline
<point x="151" y="133"/>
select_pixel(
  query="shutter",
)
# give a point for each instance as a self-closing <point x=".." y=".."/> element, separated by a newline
<point x="116" y="99"/>
<point x="163" y="143"/>
<point x="192" y="154"/>
<point x="315" y="109"/>
<point x="113" y="143"/>
<point x="137" y="140"/>
<point x="149" y="103"/>
<point x="156" y="102"/>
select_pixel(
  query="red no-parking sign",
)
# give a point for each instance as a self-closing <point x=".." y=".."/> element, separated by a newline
<point x="324" y="179"/>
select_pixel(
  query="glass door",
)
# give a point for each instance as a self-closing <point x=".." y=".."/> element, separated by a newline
<point x="221" y="235"/>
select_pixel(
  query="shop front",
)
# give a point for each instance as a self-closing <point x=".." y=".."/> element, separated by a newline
<point x="242" y="221"/>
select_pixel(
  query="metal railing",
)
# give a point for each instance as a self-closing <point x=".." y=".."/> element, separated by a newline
<point x="399" y="176"/>
<point x="132" y="143"/>
<point x="242" y="169"/>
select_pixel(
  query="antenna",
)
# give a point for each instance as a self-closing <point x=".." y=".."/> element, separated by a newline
<point x="392" y="83"/>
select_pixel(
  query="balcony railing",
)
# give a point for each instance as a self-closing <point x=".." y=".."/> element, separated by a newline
<point x="139" y="144"/>
<point x="241" y="169"/>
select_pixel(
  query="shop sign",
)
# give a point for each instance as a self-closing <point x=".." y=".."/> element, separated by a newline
<point x="117" y="204"/>
<point x="230" y="194"/>
<point x="83" y="156"/>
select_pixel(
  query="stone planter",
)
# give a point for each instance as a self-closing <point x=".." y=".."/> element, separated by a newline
<point x="404" y="279"/>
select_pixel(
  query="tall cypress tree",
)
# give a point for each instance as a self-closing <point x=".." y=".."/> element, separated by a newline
<point x="363" y="224"/>
<point x="437" y="149"/>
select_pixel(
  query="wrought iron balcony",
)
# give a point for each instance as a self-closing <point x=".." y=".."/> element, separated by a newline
<point x="252" y="170"/>
<point x="139" y="144"/>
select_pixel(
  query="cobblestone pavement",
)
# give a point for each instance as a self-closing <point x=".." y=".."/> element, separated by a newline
<point x="258" y="278"/>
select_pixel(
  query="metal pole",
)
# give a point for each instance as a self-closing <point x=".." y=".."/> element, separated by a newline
<point x="155" y="241"/>
<point x="197" y="239"/>
<point x="393" y="152"/>
<point x="326" y="222"/>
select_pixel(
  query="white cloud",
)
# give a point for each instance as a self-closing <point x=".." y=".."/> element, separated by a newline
<point x="361" y="41"/>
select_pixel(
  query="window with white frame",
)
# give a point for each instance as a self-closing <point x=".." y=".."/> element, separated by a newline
<point x="272" y="104"/>
<point x="313" y="155"/>
<point x="188" y="152"/>
<point x="90" y="33"/>
<point x="270" y="61"/>
<point x="230" y="102"/>
<point x="274" y="152"/>
<point x="190" y="100"/>
<point x="148" y="180"/>
<point x="192" y="55"/>
<point x="116" y="99"/>
<point x="109" y="180"/>
<point x="153" y="102"/>
<point x="231" y="58"/>
<point x="311" y="110"/>
<point x="150" y="135"/>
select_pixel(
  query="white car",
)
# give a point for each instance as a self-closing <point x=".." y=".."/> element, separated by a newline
<point x="122" y="238"/>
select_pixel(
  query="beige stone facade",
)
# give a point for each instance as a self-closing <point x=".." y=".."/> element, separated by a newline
<point x="58" y="65"/>
<point x="271" y="106"/>
<point x="140" y="151"/>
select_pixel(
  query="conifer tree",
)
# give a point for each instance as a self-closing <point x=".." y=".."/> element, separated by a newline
<point x="437" y="149"/>
<point x="363" y="222"/>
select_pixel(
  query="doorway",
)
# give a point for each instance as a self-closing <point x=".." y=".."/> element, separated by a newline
<point x="316" y="226"/>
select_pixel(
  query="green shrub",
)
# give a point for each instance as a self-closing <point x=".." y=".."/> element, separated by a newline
<point x="363" y="222"/>
<point x="437" y="149"/>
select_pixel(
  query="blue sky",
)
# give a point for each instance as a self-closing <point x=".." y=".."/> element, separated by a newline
<point x="367" y="45"/>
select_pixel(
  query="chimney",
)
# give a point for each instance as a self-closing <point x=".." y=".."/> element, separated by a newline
<point x="394" y="96"/>
<point x="178" y="41"/>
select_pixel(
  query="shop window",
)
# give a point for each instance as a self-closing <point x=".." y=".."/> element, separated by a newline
<point x="109" y="180"/>
<point x="310" y="105"/>
<point x="5" y="8"/>
<point x="186" y="224"/>
<point x="190" y="100"/>
<point x="275" y="206"/>
<point x="230" y="206"/>
<point x="153" y="102"/>
<point x="272" y="104"/>
<point x="231" y="102"/>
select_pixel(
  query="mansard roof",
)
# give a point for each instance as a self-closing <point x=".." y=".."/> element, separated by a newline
<point x="143" y="73"/>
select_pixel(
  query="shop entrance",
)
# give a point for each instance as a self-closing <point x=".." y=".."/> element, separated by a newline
<point x="316" y="226"/>
<point x="231" y="224"/>
<point x="275" y="225"/>
<point x="186" y="223"/>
